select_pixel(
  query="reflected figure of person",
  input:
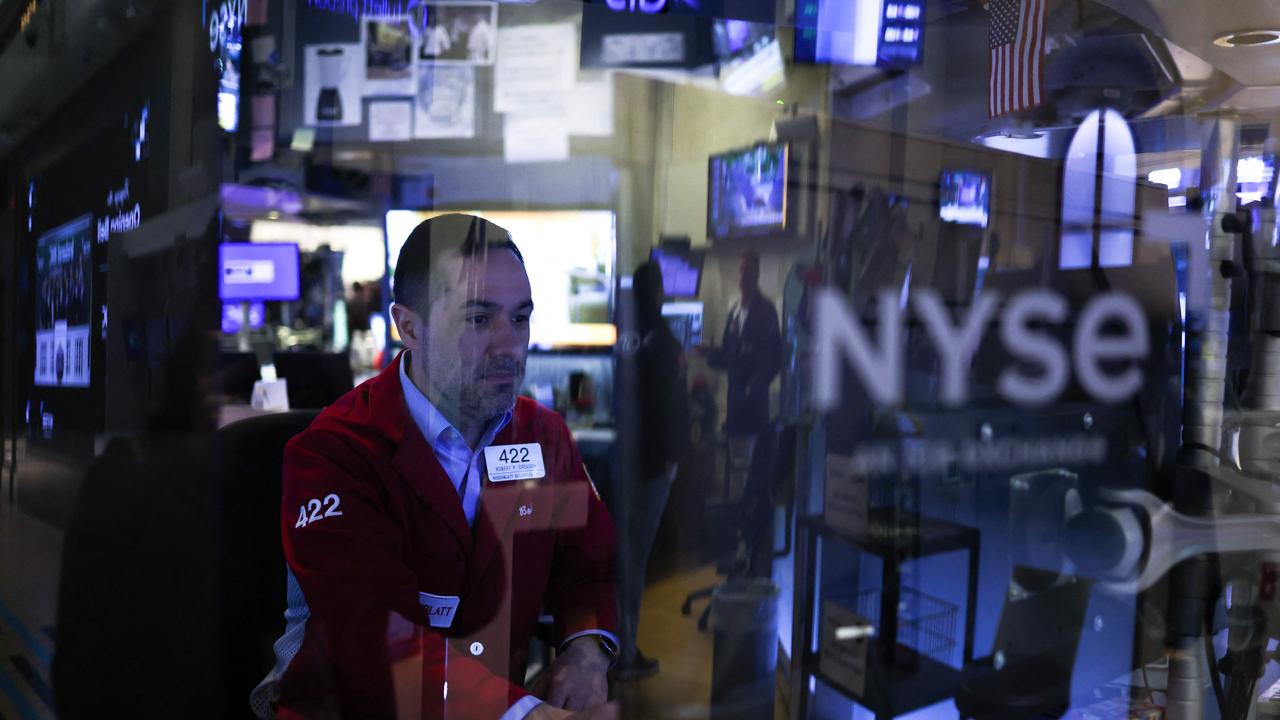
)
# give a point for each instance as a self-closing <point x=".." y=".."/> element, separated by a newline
<point x="480" y="41"/>
<point x="750" y="353"/>
<point x="430" y="514"/>
<point x="140" y="623"/>
<point x="664" y="434"/>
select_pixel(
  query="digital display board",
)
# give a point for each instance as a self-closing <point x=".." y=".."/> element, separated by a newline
<point x="64" y="304"/>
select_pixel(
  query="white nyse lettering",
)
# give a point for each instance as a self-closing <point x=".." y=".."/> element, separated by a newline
<point x="955" y="348"/>
<point x="1091" y="347"/>
<point x="1026" y="307"/>
<point x="1111" y="328"/>
<point x="838" y="334"/>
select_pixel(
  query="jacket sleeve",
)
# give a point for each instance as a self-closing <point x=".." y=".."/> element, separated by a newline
<point x="344" y="548"/>
<point x="580" y="593"/>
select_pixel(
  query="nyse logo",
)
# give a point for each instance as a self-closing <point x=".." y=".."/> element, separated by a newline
<point x="1095" y="354"/>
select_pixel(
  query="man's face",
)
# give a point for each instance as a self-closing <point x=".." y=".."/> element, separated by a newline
<point x="478" y="332"/>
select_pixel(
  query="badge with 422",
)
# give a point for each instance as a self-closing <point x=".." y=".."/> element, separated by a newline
<point x="514" y="462"/>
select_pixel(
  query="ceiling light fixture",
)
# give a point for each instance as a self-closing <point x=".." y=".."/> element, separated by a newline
<point x="1247" y="38"/>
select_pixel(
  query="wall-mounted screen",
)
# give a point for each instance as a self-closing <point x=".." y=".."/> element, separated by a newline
<point x="64" y="304"/>
<point x="681" y="271"/>
<point x="965" y="197"/>
<point x="747" y="192"/>
<point x="569" y="256"/>
<point x="258" y="271"/>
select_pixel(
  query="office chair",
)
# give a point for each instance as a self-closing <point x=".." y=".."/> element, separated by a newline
<point x="1029" y="673"/>
<point x="314" y="379"/>
<point x="252" y="455"/>
<point x="752" y="553"/>
<point x="237" y="372"/>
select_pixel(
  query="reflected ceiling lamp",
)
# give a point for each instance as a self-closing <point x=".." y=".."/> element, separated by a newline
<point x="1247" y="38"/>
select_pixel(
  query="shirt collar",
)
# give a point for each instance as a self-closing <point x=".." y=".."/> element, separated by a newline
<point x="430" y="421"/>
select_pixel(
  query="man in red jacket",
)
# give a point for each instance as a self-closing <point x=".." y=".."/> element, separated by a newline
<point x="430" y="514"/>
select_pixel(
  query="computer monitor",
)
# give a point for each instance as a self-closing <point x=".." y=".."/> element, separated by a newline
<point x="685" y="319"/>
<point x="233" y="316"/>
<point x="681" y="271"/>
<point x="258" y="271"/>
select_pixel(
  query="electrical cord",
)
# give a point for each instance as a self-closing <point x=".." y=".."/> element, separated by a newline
<point x="1218" y="693"/>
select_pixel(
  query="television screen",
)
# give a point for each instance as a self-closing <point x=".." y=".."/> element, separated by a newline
<point x="685" y="319"/>
<point x="966" y="197"/>
<point x="257" y="271"/>
<point x="64" y="304"/>
<point x="681" y="271"/>
<point x="747" y="192"/>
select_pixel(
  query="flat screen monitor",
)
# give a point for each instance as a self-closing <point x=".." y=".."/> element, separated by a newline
<point x="965" y="197"/>
<point x="64" y="304"/>
<point x="747" y="192"/>
<point x="685" y="319"/>
<point x="681" y="271"/>
<point x="258" y="271"/>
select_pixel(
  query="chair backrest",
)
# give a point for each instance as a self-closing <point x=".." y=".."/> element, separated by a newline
<point x="251" y="454"/>
<point x="314" y="379"/>
<point x="1046" y="623"/>
<point x="237" y="372"/>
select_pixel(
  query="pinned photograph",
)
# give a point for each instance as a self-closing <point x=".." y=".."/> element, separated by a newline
<point x="460" y="33"/>
<point x="388" y="48"/>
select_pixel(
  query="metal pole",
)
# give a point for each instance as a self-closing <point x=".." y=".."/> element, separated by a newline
<point x="1208" y="321"/>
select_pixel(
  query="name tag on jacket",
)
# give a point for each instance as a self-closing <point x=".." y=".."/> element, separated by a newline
<point x="514" y="462"/>
<point x="440" y="608"/>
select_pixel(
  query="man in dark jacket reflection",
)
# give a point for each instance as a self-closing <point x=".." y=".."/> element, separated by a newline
<point x="751" y="353"/>
<point x="664" y="435"/>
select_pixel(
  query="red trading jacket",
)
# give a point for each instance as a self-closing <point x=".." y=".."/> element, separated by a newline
<point x="390" y="525"/>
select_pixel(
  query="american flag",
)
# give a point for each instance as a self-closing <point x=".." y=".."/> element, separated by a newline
<point x="1016" y="79"/>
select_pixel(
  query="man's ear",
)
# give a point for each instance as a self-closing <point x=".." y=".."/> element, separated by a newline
<point x="411" y="326"/>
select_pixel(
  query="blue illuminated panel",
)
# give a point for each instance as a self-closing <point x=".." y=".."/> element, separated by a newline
<point x="902" y="33"/>
<point x="887" y="33"/>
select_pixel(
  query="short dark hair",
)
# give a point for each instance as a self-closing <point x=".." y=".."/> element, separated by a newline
<point x="469" y="235"/>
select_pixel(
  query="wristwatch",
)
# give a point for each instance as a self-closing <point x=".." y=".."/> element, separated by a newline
<point x="607" y="646"/>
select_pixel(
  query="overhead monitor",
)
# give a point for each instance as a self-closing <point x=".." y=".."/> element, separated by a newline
<point x="64" y="304"/>
<point x="258" y="271"/>
<point x="681" y="271"/>
<point x="965" y="197"/>
<point x="747" y="192"/>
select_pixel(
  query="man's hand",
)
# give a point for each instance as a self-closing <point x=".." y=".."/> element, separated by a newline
<point x="601" y="712"/>
<point x="579" y="676"/>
